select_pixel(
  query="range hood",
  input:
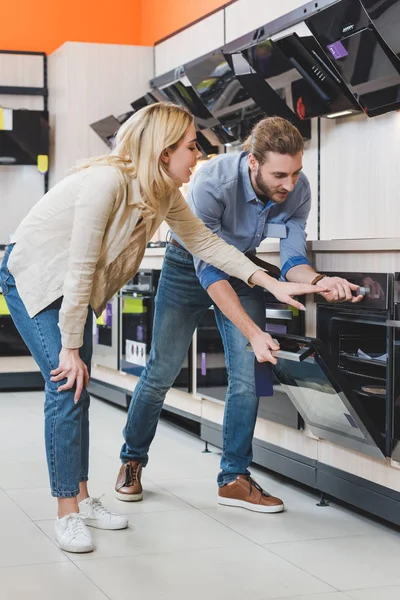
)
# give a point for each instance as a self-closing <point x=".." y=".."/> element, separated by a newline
<point x="296" y="64"/>
<point x="356" y="49"/>
<point x="25" y="137"/>
<point x="385" y="15"/>
<point x="177" y="88"/>
<point x="236" y="94"/>
<point x="146" y="100"/>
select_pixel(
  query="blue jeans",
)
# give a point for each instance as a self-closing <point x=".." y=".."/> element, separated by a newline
<point x="66" y="423"/>
<point x="180" y="304"/>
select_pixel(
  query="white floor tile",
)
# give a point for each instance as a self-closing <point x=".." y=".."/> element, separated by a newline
<point x="384" y="593"/>
<point x="302" y="520"/>
<point x="180" y="544"/>
<point x="62" y="581"/>
<point x="159" y="532"/>
<point x="347" y="563"/>
<point x="21" y="541"/>
<point x="199" y="492"/>
<point x="229" y="573"/>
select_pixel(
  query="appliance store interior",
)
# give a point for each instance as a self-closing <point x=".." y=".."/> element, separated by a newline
<point x="327" y="434"/>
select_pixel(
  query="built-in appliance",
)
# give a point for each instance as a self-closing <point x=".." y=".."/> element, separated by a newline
<point x="395" y="369"/>
<point x="137" y="305"/>
<point x="175" y="87"/>
<point x="106" y="129"/>
<point x="106" y="336"/>
<point x="236" y="94"/>
<point x="340" y="383"/>
<point x="211" y="373"/>
<point x="385" y="15"/>
<point x="24" y="136"/>
<point x="356" y="49"/>
<point x="295" y="63"/>
<point x="11" y="343"/>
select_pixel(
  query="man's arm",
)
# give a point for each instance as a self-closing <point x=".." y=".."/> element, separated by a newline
<point x="224" y="296"/>
<point x="338" y="288"/>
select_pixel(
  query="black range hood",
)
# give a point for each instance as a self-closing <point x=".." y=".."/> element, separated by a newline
<point x="236" y="94"/>
<point x="385" y="15"/>
<point x="297" y="64"/>
<point x="27" y="139"/>
<point x="179" y="90"/>
<point x="356" y="49"/>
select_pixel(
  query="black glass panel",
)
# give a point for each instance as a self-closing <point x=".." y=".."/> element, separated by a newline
<point x="28" y="138"/>
<point x="385" y="15"/>
<point x="365" y="62"/>
<point x="396" y="370"/>
<point x="106" y="129"/>
<point x="144" y="101"/>
<point x="222" y="93"/>
<point x="323" y="398"/>
<point x="293" y="62"/>
<point x="182" y="93"/>
<point x="236" y="94"/>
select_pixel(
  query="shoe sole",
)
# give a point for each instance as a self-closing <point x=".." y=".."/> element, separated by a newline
<point x="75" y="550"/>
<point x="108" y="527"/>
<point x="129" y="497"/>
<point x="249" y="506"/>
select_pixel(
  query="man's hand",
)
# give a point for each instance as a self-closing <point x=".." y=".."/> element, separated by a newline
<point x="263" y="345"/>
<point x="339" y="290"/>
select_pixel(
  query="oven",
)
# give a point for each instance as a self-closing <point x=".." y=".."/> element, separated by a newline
<point x="137" y="305"/>
<point x="211" y="375"/>
<point x="396" y="369"/>
<point x="341" y="382"/>
<point x="106" y="336"/>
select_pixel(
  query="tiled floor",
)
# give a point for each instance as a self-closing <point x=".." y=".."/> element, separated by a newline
<point x="179" y="544"/>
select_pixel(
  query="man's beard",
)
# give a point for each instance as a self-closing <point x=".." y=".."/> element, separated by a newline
<point x="267" y="192"/>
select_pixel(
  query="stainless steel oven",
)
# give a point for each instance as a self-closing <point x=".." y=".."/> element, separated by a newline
<point x="340" y="383"/>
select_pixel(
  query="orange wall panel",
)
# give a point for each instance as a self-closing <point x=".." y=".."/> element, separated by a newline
<point x="160" y="18"/>
<point x="46" y="24"/>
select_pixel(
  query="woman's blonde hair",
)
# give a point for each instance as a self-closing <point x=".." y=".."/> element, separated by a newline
<point x="273" y="134"/>
<point x="138" y="147"/>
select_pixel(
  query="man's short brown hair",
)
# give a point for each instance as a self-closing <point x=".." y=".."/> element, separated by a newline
<point x="273" y="134"/>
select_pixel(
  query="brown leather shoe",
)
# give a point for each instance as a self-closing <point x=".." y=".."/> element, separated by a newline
<point x="247" y="493"/>
<point x="128" y="487"/>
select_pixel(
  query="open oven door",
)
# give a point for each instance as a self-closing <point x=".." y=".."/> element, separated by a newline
<point x="323" y="398"/>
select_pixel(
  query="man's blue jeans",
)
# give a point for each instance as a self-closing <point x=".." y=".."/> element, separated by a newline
<point x="66" y="423"/>
<point x="181" y="302"/>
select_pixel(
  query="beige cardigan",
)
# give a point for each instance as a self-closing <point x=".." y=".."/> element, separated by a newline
<point x="85" y="239"/>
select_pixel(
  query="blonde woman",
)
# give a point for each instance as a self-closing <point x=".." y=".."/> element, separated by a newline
<point x="76" y="248"/>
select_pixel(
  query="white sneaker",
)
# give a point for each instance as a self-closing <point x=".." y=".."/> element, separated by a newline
<point x="94" y="514"/>
<point x="72" y="534"/>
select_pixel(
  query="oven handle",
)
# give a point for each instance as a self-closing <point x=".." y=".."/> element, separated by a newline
<point x="293" y="356"/>
<point x="279" y="314"/>
<point x="395" y="324"/>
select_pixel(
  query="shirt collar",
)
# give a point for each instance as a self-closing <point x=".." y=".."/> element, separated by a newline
<point x="249" y="192"/>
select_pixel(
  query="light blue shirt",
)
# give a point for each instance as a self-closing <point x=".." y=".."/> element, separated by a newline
<point x="224" y="199"/>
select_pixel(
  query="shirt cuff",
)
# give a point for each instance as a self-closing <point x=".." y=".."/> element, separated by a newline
<point x="295" y="261"/>
<point x="210" y="276"/>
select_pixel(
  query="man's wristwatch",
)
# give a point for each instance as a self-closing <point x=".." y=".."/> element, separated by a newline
<point x="318" y="278"/>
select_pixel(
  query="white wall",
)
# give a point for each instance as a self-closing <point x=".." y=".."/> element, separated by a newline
<point x="201" y="38"/>
<point x="245" y="15"/>
<point x="20" y="186"/>
<point x="86" y="83"/>
<point x="360" y="177"/>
